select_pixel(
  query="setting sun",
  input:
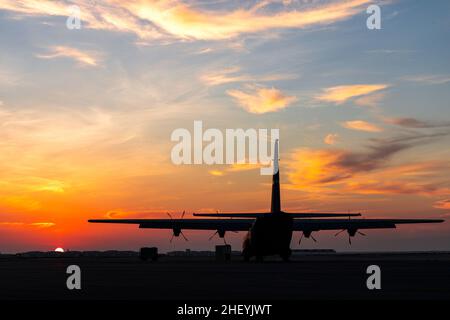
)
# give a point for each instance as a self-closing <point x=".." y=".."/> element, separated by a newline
<point x="59" y="249"/>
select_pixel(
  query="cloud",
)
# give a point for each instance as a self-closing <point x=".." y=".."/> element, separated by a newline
<point x="183" y="21"/>
<point x="331" y="138"/>
<point x="216" y="173"/>
<point x="35" y="7"/>
<point x="361" y="126"/>
<point x="42" y="224"/>
<point x="230" y="75"/>
<point x="393" y="187"/>
<point x="204" y="51"/>
<point x="136" y="214"/>
<point x="224" y="76"/>
<point x="415" y="123"/>
<point x="262" y="100"/>
<point x="83" y="58"/>
<point x="331" y="166"/>
<point x="46" y="185"/>
<point x="340" y="94"/>
<point x="32" y="224"/>
<point x="428" y="79"/>
<point x="110" y="15"/>
<point x="335" y="171"/>
<point x="390" y="51"/>
<point x="371" y="100"/>
<point x="238" y="167"/>
<point x="442" y="204"/>
<point x="156" y="19"/>
<point x="11" y="224"/>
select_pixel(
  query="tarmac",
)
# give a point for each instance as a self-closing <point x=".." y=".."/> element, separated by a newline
<point x="423" y="275"/>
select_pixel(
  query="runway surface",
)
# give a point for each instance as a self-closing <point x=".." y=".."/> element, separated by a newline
<point x="334" y="276"/>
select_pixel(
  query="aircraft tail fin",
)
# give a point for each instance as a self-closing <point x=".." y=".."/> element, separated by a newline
<point x="275" y="203"/>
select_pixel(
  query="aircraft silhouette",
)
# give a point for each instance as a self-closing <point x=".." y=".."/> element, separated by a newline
<point x="269" y="233"/>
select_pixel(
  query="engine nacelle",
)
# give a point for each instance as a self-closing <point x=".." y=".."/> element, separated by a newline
<point x="176" y="232"/>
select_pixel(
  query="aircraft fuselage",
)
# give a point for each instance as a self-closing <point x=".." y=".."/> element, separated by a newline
<point x="269" y="235"/>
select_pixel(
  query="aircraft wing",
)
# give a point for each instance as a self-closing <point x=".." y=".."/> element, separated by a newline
<point x="292" y="215"/>
<point x="245" y="224"/>
<point x="355" y="224"/>
<point x="194" y="224"/>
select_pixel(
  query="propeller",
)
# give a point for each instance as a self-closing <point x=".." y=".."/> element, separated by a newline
<point x="176" y="230"/>
<point x="210" y="238"/>
<point x="182" y="234"/>
<point x="308" y="234"/>
<point x="221" y="234"/>
<point x="351" y="233"/>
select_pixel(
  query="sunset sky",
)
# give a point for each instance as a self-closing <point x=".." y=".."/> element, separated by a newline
<point x="86" y="116"/>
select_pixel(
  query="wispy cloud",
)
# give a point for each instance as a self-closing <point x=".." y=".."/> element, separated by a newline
<point x="183" y="21"/>
<point x="83" y="58"/>
<point x="235" y="168"/>
<point x="428" y="79"/>
<point x="36" y="7"/>
<point x="42" y="224"/>
<point x="390" y="51"/>
<point x="204" y="51"/>
<point x="216" y="173"/>
<point x="221" y="77"/>
<point x="262" y="100"/>
<point x="155" y="19"/>
<point x="32" y="224"/>
<point x="361" y="125"/>
<point x="331" y="138"/>
<point x="140" y="214"/>
<point x="11" y="224"/>
<point x="371" y="100"/>
<point x="238" y="167"/>
<point x="415" y="123"/>
<point x="442" y="204"/>
<point x="340" y="94"/>
<point x="230" y="75"/>
<point x="110" y="15"/>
